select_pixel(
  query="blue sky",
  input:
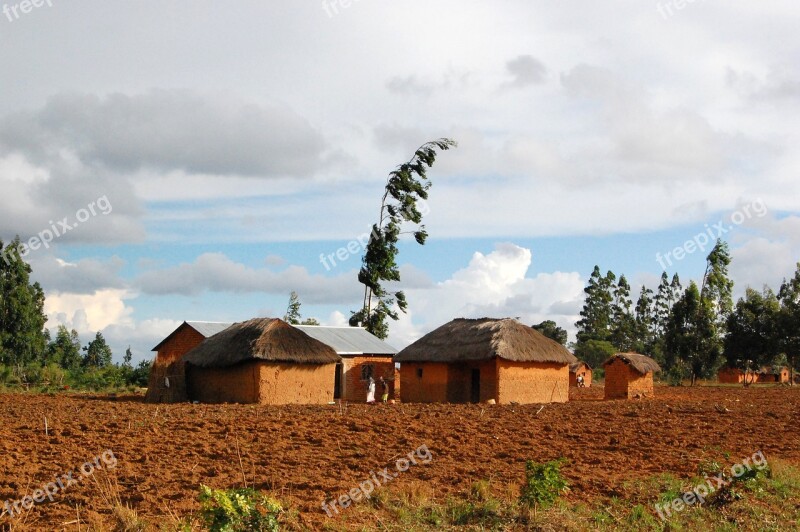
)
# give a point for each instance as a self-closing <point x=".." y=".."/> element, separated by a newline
<point x="237" y="143"/>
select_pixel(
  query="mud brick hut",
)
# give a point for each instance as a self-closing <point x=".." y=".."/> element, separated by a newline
<point x="363" y="354"/>
<point x="629" y="376"/>
<point x="475" y="360"/>
<point x="733" y="376"/>
<point x="775" y="374"/>
<point x="265" y="361"/>
<point x="580" y="368"/>
<point x="167" y="383"/>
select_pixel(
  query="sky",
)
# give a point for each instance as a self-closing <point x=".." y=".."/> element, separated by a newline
<point x="200" y="160"/>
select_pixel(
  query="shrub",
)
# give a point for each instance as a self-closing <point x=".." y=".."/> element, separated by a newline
<point x="543" y="484"/>
<point x="237" y="510"/>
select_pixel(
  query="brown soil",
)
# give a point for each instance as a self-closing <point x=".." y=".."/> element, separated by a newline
<point x="306" y="454"/>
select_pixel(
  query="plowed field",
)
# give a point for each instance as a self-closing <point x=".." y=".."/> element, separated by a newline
<point x="305" y="455"/>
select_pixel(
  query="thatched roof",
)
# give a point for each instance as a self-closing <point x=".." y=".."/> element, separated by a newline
<point x="577" y="365"/>
<point x="483" y="339"/>
<point x="641" y="363"/>
<point x="268" y="339"/>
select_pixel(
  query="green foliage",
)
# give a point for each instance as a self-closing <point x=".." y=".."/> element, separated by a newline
<point x="623" y="324"/>
<point x="595" y="322"/>
<point x="98" y="354"/>
<point x="237" y="510"/>
<point x="22" y="319"/>
<point x="552" y="331"/>
<point x="293" y="309"/>
<point x="293" y="315"/>
<point x="753" y="338"/>
<point x="692" y="336"/>
<point x="544" y="483"/>
<point x="141" y="374"/>
<point x="595" y="352"/>
<point x="65" y="350"/>
<point x="677" y="373"/>
<point x="717" y="287"/>
<point x="406" y="186"/>
<point x="788" y="326"/>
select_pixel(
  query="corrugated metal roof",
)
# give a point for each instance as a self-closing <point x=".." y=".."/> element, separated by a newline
<point x="348" y="340"/>
<point x="208" y="328"/>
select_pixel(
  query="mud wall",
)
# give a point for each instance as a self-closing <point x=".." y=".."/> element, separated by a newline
<point x="168" y="365"/>
<point x="262" y="382"/>
<point x="354" y="389"/>
<point x="532" y="382"/>
<point x="624" y="382"/>
<point x="430" y="387"/>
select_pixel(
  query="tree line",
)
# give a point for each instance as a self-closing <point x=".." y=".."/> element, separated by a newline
<point x="28" y="353"/>
<point x="694" y="331"/>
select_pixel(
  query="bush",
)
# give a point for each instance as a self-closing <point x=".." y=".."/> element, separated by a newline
<point x="677" y="374"/>
<point x="141" y="374"/>
<point x="237" y="510"/>
<point x="543" y="484"/>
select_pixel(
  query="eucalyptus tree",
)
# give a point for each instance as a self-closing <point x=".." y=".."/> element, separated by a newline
<point x="406" y="186"/>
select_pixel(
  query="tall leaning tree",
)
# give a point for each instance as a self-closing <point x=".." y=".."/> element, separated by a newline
<point x="406" y="187"/>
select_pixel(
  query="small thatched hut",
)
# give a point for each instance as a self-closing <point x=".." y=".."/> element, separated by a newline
<point x="629" y="376"/>
<point x="580" y="369"/>
<point x="167" y="382"/>
<point x="264" y="361"/>
<point x="475" y="360"/>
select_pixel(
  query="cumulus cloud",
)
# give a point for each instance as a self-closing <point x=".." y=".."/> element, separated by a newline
<point x="492" y="285"/>
<point x="89" y="313"/>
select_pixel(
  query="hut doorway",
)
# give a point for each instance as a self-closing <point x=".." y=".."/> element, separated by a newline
<point x="337" y="381"/>
<point x="475" y="390"/>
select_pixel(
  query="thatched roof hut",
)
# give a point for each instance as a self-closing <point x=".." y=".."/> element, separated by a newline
<point x="267" y="339"/>
<point x="464" y="340"/>
<point x="474" y="360"/>
<point x="264" y="360"/>
<point x="641" y="363"/>
<point x="629" y="376"/>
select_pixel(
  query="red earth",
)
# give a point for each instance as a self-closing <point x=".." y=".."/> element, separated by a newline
<point x="306" y="454"/>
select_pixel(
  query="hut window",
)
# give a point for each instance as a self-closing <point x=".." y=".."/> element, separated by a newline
<point x="419" y="373"/>
<point x="367" y="371"/>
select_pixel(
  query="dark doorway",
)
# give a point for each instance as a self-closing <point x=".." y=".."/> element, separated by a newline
<point x="475" y="395"/>
<point x="337" y="381"/>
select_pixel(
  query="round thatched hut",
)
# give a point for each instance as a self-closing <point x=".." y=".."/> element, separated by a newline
<point x="475" y="360"/>
<point x="264" y="360"/>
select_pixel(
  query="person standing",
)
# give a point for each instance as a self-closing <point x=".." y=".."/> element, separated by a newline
<point x="384" y="390"/>
<point x="371" y="391"/>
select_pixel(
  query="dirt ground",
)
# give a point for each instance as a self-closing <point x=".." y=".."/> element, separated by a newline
<point x="304" y="455"/>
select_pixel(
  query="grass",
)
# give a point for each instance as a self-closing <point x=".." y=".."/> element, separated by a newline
<point x="764" y="500"/>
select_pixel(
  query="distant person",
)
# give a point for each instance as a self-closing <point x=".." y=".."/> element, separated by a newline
<point x="385" y="390"/>
<point x="371" y="391"/>
<point x="580" y="381"/>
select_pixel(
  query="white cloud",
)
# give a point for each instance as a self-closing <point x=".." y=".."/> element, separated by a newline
<point x="492" y="285"/>
<point x="88" y="313"/>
